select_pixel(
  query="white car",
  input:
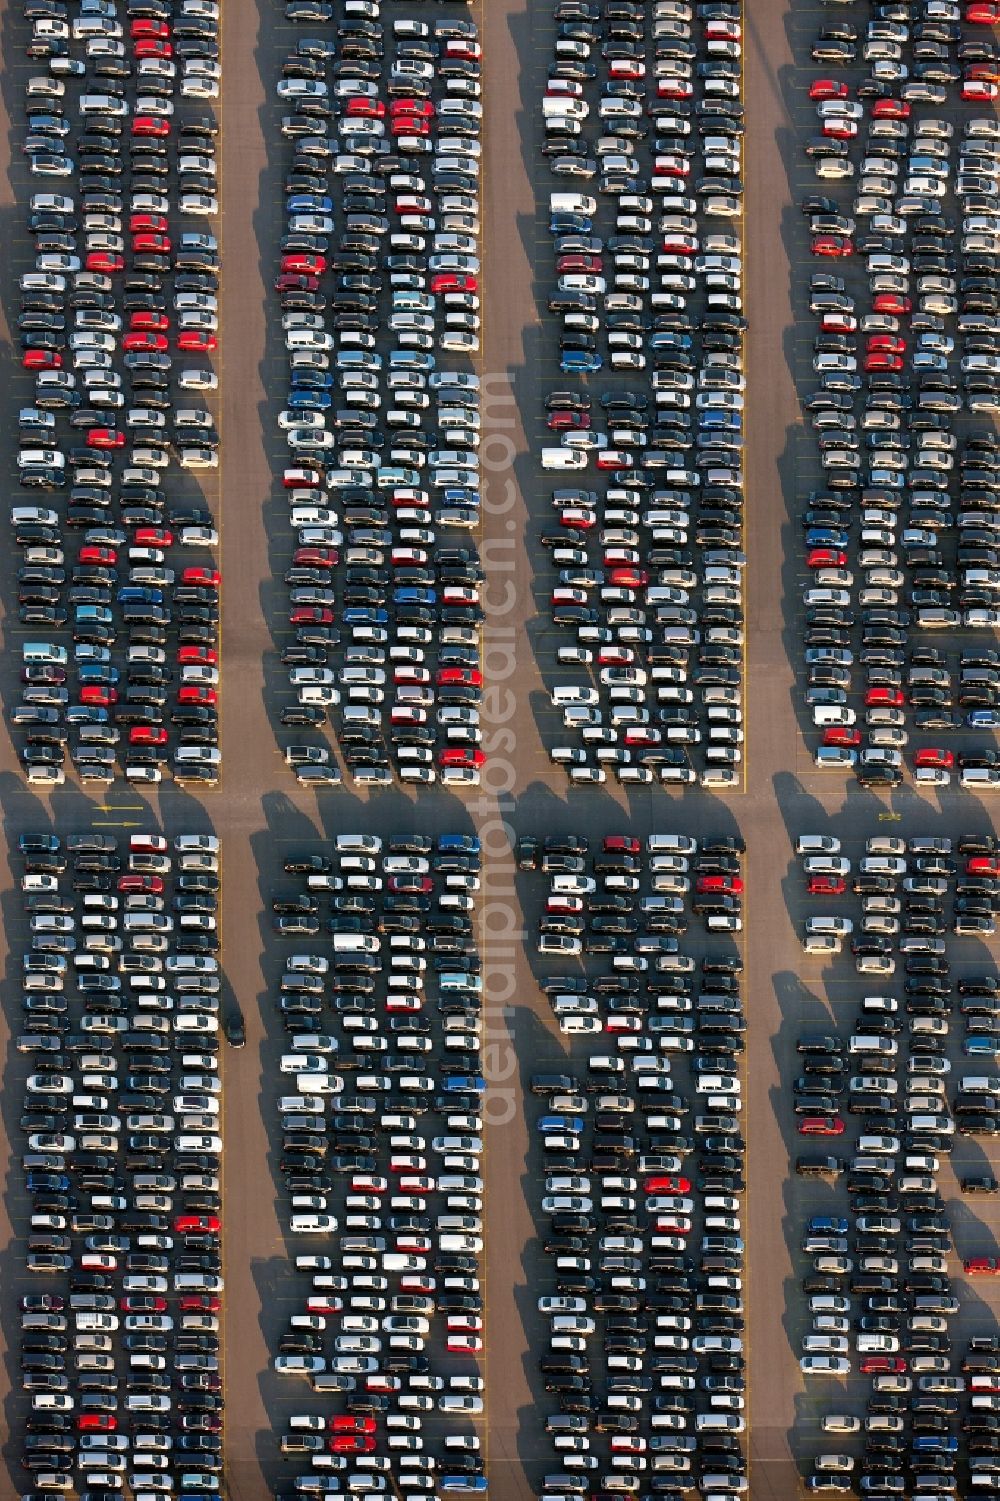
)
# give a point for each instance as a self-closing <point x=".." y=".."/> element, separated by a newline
<point x="824" y="1365"/>
<point x="817" y="844"/>
<point x="467" y="1406"/>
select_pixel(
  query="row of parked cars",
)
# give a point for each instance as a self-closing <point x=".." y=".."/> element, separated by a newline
<point x="380" y="1112"/>
<point x="921" y="871"/>
<point x="882" y="1284"/>
<point x="901" y="534"/>
<point x="118" y="313"/>
<point x="597" y="903"/>
<point x="378" y="283"/>
<point x="644" y="105"/>
<point x="121" y="1143"/>
<point x="641" y="1184"/>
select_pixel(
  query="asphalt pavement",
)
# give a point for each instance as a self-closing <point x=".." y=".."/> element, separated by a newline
<point x="261" y="814"/>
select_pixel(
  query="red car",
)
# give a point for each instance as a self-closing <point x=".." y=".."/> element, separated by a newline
<point x="566" y="419"/>
<point x="145" y="1304"/>
<point x="409" y="125"/>
<point x="99" y="694"/>
<point x="145" y="341"/>
<point x="982" y="1266"/>
<point x="826" y="886"/>
<point x="420" y="884"/>
<point x="838" y="323"/>
<point x="302" y="474"/>
<point x="890" y="109"/>
<point x="671" y="1225"/>
<point x="890" y="342"/>
<point x="360" y="1443"/>
<point x="839" y="129"/>
<point x="461" y="47"/>
<point x="152" y="884"/>
<point x="305" y="265"/>
<point x="103" y="260"/>
<point x="194" y="1224"/>
<point x="318" y="557"/>
<point x="194" y="693"/>
<point x="459" y="755"/>
<point x="839" y="734"/>
<point x="325" y="1303"/>
<point x="882" y="1365"/>
<point x="144" y="26"/>
<point x="826" y="88"/>
<point x="412" y="1243"/>
<point x="625" y="844"/>
<point x="732" y="885"/>
<point x="892" y="697"/>
<point x="935" y="756"/>
<point x="369" y="1183"/>
<point x="205" y="654"/>
<point x="342" y="1423"/>
<point x="41" y="359"/>
<point x="563" y="904"/>
<point x="365" y="108"/>
<point x="292" y="281"/>
<point x="147" y="224"/>
<point x="821" y="1125"/>
<point x="157" y="322"/>
<point x="979" y="90"/>
<point x="196" y="342"/>
<point x="151" y="125"/>
<point x="155" y="244"/>
<point x="210" y="578"/>
<point x="579" y="263"/>
<point x="671" y="1185"/>
<point x="152" y="47"/>
<point x="453" y="281"/>
<point x="421" y="108"/>
<point x="147" y="734"/>
<point x="983" y="13"/>
<point x="471" y="677"/>
<point x="153" y="536"/>
<point x="826" y="557"/>
<point x="982" y="865"/>
<point x="629" y="578"/>
<point x="105" y="437"/>
<point x="891" y="302"/>
<point x="832" y="245"/>
<point x="99" y="555"/>
<point x="880" y="360"/>
<point x="311" y="615"/>
<point x="985" y="70"/>
<point x="200" y="1303"/>
<point x="96" y="1422"/>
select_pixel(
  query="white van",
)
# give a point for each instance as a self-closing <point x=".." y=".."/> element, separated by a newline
<point x="873" y="1043"/>
<point x="571" y="203"/>
<point x="680" y="844"/>
<point x="719" y="1422"/>
<point x="569" y="693"/>
<point x="186" y="754"/>
<point x="564" y="458"/>
<point x="43" y="653"/>
<point x="355" y="943"/>
<point x="102" y="104"/>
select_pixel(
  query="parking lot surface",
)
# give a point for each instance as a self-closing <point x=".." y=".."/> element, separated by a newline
<point x="262" y="816"/>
